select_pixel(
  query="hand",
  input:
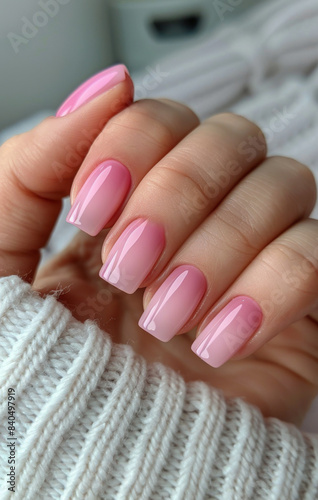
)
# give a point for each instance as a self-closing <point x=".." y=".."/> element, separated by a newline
<point x="214" y="203"/>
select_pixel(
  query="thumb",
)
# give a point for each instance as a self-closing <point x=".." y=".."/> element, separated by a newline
<point x="37" y="168"/>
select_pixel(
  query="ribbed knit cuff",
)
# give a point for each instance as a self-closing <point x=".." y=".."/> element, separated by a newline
<point x="94" y="420"/>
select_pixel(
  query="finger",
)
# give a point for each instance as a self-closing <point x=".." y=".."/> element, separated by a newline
<point x="174" y="198"/>
<point x="129" y="146"/>
<point x="37" y="169"/>
<point x="253" y="214"/>
<point x="278" y="288"/>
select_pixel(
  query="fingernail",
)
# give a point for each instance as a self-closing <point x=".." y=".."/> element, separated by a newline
<point x="100" y="197"/>
<point x="231" y="328"/>
<point x="133" y="255"/>
<point x="95" y="86"/>
<point x="174" y="302"/>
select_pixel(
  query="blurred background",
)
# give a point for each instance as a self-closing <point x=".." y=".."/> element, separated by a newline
<point x="48" y="47"/>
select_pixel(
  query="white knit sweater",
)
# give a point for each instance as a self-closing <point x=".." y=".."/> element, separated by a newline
<point x="94" y="421"/>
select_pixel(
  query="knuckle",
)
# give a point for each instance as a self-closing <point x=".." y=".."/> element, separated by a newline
<point x="230" y="118"/>
<point x="236" y="226"/>
<point x="235" y="122"/>
<point x="292" y="165"/>
<point x="10" y="146"/>
<point x="237" y="134"/>
<point x="302" y="177"/>
<point x="13" y="153"/>
<point x="182" y="108"/>
<point x="192" y="162"/>
<point x="194" y="184"/>
<point x="295" y="267"/>
<point x="270" y="260"/>
<point x="33" y="137"/>
<point x="185" y="191"/>
<point x="29" y="147"/>
<point x="143" y="119"/>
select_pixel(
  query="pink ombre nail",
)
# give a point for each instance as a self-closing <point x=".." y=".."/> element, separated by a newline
<point x="231" y="328"/>
<point x="95" y="86"/>
<point x="133" y="255"/>
<point x="100" y="197"/>
<point x="174" y="302"/>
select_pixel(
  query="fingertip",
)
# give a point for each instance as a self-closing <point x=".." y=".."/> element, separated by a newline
<point x="98" y="84"/>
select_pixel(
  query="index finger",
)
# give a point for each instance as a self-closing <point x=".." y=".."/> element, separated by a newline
<point x="37" y="169"/>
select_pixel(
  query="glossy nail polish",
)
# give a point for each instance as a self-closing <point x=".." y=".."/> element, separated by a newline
<point x="231" y="328"/>
<point x="134" y="255"/>
<point x="174" y="302"/>
<point x="95" y="86"/>
<point x="100" y="197"/>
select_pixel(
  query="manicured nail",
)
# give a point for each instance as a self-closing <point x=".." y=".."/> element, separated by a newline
<point x="100" y="197"/>
<point x="231" y="328"/>
<point x="133" y="255"/>
<point x="95" y="86"/>
<point x="174" y="302"/>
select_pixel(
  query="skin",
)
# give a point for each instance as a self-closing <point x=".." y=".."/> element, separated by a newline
<point x="278" y="369"/>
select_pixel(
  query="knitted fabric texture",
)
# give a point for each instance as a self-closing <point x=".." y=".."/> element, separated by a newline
<point x="95" y="421"/>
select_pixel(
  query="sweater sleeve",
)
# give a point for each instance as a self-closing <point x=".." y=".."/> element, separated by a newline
<point x="93" y="420"/>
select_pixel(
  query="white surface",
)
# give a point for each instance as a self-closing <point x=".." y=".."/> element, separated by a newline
<point x="49" y="61"/>
<point x="132" y="26"/>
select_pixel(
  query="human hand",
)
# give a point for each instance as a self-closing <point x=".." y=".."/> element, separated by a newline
<point x="213" y="202"/>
